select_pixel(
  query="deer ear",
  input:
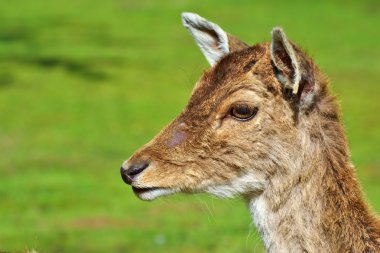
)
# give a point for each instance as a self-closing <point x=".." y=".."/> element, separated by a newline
<point x="213" y="41"/>
<point x="293" y="69"/>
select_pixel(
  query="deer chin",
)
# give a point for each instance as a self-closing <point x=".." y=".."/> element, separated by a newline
<point x="239" y="186"/>
<point x="151" y="193"/>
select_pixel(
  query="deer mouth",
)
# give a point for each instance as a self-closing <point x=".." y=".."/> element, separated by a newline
<point x="143" y="190"/>
<point x="150" y="193"/>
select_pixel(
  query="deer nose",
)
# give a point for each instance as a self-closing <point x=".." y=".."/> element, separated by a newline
<point x="132" y="171"/>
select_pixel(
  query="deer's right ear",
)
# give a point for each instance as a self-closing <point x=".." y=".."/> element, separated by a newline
<point x="211" y="39"/>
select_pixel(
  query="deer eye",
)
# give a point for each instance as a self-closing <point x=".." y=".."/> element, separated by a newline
<point x="243" y="112"/>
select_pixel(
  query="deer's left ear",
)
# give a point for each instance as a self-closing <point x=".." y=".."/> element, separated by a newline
<point x="293" y="69"/>
<point x="213" y="41"/>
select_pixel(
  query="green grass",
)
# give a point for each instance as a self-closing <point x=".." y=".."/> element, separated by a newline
<point x="85" y="83"/>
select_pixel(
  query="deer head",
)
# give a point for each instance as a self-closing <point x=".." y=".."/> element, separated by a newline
<point x="244" y="125"/>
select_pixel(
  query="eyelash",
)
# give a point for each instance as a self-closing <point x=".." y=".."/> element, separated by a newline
<point x="247" y="112"/>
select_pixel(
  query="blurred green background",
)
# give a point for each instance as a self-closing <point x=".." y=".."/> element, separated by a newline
<point x="85" y="83"/>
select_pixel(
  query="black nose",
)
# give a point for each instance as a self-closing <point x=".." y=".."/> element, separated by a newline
<point x="128" y="174"/>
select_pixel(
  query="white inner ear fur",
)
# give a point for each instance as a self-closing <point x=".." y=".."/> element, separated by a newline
<point x="279" y="40"/>
<point x="210" y="38"/>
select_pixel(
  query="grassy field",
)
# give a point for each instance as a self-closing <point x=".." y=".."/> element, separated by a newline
<point x="84" y="83"/>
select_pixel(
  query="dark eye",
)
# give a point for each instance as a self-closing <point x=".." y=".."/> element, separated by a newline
<point x="243" y="112"/>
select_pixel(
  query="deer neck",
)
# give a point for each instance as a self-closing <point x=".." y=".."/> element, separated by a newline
<point x="316" y="206"/>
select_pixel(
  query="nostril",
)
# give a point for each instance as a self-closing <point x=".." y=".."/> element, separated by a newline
<point x="137" y="168"/>
<point x="124" y="176"/>
<point x="128" y="174"/>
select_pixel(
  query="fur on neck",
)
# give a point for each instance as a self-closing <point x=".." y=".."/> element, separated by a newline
<point x="315" y="205"/>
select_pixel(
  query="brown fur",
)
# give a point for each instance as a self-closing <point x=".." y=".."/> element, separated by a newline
<point x="298" y="152"/>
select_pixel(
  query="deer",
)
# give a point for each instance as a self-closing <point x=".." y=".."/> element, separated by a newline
<point x="261" y="124"/>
